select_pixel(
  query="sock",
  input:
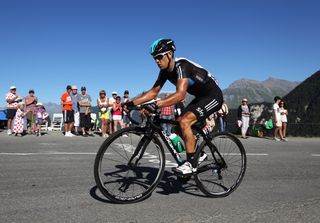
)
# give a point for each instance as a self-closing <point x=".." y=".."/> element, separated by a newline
<point x="190" y="158"/>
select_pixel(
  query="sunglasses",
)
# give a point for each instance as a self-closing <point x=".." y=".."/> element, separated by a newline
<point x="160" y="55"/>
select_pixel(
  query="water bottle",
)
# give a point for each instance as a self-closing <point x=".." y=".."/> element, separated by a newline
<point x="176" y="142"/>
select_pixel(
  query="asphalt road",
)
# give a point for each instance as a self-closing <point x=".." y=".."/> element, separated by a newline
<point x="50" y="179"/>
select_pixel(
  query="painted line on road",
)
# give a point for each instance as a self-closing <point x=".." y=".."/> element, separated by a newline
<point x="315" y="154"/>
<point x="238" y="154"/>
<point x="48" y="153"/>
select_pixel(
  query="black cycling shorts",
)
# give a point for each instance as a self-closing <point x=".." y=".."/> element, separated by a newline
<point x="204" y="106"/>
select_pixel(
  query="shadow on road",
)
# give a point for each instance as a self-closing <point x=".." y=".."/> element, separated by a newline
<point x="169" y="184"/>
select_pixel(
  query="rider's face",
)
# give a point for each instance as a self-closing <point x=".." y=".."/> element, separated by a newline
<point x="163" y="63"/>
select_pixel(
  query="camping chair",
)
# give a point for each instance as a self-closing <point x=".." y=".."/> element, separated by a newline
<point x="93" y="121"/>
<point x="57" y="122"/>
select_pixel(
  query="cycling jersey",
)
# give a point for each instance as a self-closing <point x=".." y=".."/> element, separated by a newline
<point x="201" y="82"/>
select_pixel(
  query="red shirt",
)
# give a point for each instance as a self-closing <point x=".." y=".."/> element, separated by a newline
<point x="167" y="110"/>
<point x="66" y="98"/>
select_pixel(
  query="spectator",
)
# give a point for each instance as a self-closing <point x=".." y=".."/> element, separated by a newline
<point x="40" y="118"/>
<point x="244" y="116"/>
<point x="68" y="116"/>
<point x="125" y="115"/>
<point x="30" y="105"/>
<point x="117" y="113"/>
<point x="104" y="113"/>
<point x="75" y="107"/>
<point x="12" y="99"/>
<point x="111" y="102"/>
<point x="168" y="114"/>
<point x="284" y="119"/>
<point x="222" y="116"/>
<point x="18" y="120"/>
<point x="85" y="111"/>
<point x="277" y="119"/>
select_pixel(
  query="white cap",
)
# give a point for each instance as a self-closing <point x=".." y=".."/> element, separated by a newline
<point x="74" y="87"/>
<point x="13" y="87"/>
<point x="39" y="104"/>
<point x="246" y="100"/>
<point x="114" y="92"/>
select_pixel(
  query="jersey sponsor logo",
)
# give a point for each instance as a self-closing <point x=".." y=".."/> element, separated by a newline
<point x="200" y="111"/>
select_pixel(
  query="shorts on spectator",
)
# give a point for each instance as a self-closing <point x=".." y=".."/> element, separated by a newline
<point x="76" y="119"/>
<point x="40" y="121"/>
<point x="11" y="113"/>
<point x="68" y="116"/>
<point x="125" y="119"/>
<point x="116" y="117"/>
<point x="85" y="120"/>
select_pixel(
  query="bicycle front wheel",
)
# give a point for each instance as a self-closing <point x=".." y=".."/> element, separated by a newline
<point x="129" y="165"/>
<point x="219" y="175"/>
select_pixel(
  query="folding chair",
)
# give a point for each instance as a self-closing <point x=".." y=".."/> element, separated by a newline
<point x="57" y="122"/>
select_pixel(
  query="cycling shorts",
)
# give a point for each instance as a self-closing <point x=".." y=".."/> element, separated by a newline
<point x="205" y="105"/>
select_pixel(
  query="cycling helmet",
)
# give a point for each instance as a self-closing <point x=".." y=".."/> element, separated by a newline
<point x="162" y="45"/>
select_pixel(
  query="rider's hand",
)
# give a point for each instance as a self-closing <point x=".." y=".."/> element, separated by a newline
<point x="151" y="108"/>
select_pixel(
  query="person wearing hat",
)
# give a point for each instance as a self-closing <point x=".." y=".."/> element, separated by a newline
<point x="84" y="101"/>
<point x="68" y="115"/>
<point x="244" y="117"/>
<point x="12" y="99"/>
<point x="40" y="118"/>
<point x="117" y="113"/>
<point x="30" y="105"/>
<point x="75" y="107"/>
<point x="104" y="113"/>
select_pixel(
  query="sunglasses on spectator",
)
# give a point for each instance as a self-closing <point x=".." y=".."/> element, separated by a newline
<point x="160" y="56"/>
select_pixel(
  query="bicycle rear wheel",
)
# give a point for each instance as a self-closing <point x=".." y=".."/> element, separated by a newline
<point x="119" y="173"/>
<point x="214" y="177"/>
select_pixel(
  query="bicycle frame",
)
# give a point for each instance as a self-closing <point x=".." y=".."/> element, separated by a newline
<point x="153" y="127"/>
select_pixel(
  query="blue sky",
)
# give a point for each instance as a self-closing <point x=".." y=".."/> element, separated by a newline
<point x="45" y="45"/>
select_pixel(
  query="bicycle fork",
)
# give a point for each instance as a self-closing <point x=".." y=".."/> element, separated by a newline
<point x="141" y="148"/>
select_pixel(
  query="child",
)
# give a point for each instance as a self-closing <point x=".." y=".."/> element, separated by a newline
<point x="40" y="117"/>
<point x="18" y="120"/>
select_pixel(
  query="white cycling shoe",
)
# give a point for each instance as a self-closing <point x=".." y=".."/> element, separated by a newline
<point x="185" y="169"/>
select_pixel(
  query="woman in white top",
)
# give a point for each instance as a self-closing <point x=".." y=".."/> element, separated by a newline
<point x="284" y="120"/>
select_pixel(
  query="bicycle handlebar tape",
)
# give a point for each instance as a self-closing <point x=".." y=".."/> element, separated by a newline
<point x="152" y="108"/>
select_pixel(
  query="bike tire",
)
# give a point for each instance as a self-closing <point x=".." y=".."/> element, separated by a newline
<point x="214" y="179"/>
<point x="120" y="182"/>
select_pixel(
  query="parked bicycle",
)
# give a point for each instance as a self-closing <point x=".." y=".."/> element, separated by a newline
<point x="131" y="162"/>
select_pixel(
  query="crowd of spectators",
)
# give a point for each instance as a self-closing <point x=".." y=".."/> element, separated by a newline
<point x="77" y="108"/>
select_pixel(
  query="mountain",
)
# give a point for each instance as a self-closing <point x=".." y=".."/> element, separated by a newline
<point x="303" y="104"/>
<point x="256" y="91"/>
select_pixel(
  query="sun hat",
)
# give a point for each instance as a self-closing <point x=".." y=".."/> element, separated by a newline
<point x="13" y="87"/>
<point x="246" y="100"/>
<point x="114" y="92"/>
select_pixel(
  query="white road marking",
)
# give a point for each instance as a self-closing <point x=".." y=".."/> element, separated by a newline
<point x="315" y="154"/>
<point x="48" y="153"/>
<point x="248" y="154"/>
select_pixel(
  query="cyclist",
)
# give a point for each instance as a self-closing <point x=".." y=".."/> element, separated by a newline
<point x="187" y="77"/>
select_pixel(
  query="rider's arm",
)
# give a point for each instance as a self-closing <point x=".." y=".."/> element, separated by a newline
<point x="149" y="95"/>
<point x="179" y="95"/>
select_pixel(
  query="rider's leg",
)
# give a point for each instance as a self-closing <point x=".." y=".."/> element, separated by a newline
<point x="185" y="122"/>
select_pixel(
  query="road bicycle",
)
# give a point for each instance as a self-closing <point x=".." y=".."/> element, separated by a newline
<point x="130" y="163"/>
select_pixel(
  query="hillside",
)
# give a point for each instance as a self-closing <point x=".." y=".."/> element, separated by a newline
<point x="303" y="104"/>
<point x="256" y="91"/>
